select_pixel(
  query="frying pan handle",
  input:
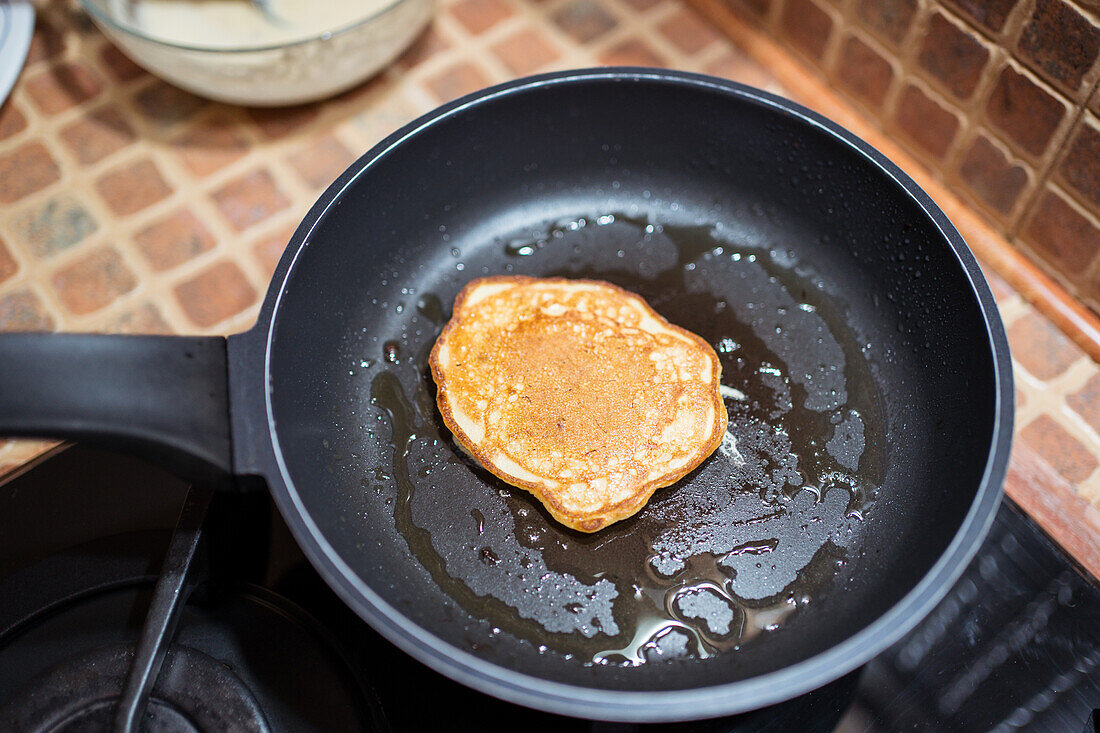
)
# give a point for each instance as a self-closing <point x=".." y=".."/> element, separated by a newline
<point x="161" y="397"/>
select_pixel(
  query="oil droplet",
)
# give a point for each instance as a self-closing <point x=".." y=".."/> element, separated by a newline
<point x="479" y="520"/>
<point x="488" y="556"/>
<point x="430" y="307"/>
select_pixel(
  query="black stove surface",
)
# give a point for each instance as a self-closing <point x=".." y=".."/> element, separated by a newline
<point x="261" y="643"/>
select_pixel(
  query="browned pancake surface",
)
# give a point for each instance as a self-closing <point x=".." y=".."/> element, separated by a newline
<point x="577" y="391"/>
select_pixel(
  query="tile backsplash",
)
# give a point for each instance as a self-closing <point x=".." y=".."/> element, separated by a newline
<point x="1000" y="97"/>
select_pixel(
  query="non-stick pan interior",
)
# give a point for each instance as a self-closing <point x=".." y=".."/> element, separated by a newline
<point x="856" y="361"/>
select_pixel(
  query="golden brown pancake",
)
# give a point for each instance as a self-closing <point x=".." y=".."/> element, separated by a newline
<point x="577" y="391"/>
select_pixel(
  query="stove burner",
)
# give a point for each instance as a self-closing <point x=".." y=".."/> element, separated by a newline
<point x="193" y="692"/>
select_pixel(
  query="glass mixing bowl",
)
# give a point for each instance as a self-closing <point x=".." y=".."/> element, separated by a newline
<point x="294" y="72"/>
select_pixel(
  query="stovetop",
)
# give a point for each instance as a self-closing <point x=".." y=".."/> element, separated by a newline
<point x="258" y="642"/>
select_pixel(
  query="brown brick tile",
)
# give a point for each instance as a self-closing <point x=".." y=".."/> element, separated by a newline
<point x="927" y="123"/>
<point x="1024" y="111"/>
<point x="1080" y="168"/>
<point x="24" y="170"/>
<point x="478" y="16"/>
<point x="12" y="120"/>
<point x="1061" y="451"/>
<point x="890" y="19"/>
<point x="250" y="199"/>
<point x="643" y="5"/>
<point x="1060" y="42"/>
<point x="269" y="249"/>
<point x="118" y="65"/>
<point x="584" y="20"/>
<point x="688" y="32"/>
<point x="54" y="225"/>
<point x="863" y="72"/>
<point x="1062" y="235"/>
<point x="525" y="51"/>
<point x="427" y="44"/>
<point x="93" y="281"/>
<point x="8" y="265"/>
<point x="807" y="27"/>
<point x="631" y="52"/>
<point x="145" y="318"/>
<point x="97" y="134"/>
<point x="218" y="292"/>
<point x="321" y="161"/>
<point x="163" y="105"/>
<point x="991" y="176"/>
<point x="462" y="78"/>
<point x="62" y="86"/>
<point x="1002" y="291"/>
<point x="759" y="8"/>
<point x="48" y="40"/>
<point x="132" y="187"/>
<point x="953" y="55"/>
<point x="276" y="122"/>
<point x="173" y="240"/>
<point x="23" y="311"/>
<point x="210" y="146"/>
<point x="989" y="14"/>
<point x="1040" y="347"/>
<point x="735" y="64"/>
<point x="1086" y="402"/>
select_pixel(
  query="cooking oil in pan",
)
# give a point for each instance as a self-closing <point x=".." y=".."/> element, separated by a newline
<point x="723" y="557"/>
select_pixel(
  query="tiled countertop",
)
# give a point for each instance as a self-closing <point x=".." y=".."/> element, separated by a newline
<point x="127" y="205"/>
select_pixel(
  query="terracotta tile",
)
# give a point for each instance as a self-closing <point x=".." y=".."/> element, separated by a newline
<point x="321" y="161"/>
<point x="890" y="19"/>
<point x="1062" y="235"/>
<point x="216" y="293"/>
<point x="459" y="79"/>
<point x="269" y="249"/>
<point x="631" y="52"/>
<point x="1041" y="348"/>
<point x="1060" y="42"/>
<point x="1061" y="451"/>
<point x="118" y="65"/>
<point x="643" y="5"/>
<point x="276" y="122"/>
<point x="688" y="32"/>
<point x="145" y="318"/>
<point x="163" y="105"/>
<point x="807" y="27"/>
<point x="584" y="20"/>
<point x="8" y="265"/>
<point x="54" y="225"/>
<point x="1086" y="402"/>
<point x="525" y="51"/>
<point x="1002" y="291"/>
<point x="250" y="199"/>
<point x="740" y="67"/>
<point x="927" y="123"/>
<point x="132" y="187"/>
<point x="62" y="86"/>
<point x="953" y="55"/>
<point x="24" y="170"/>
<point x="478" y="16"/>
<point x="991" y="176"/>
<point x="48" y="40"/>
<point x="210" y="146"/>
<point x="93" y="281"/>
<point x="863" y="72"/>
<point x="173" y="240"/>
<point x="24" y="311"/>
<point x="1080" y="168"/>
<point x="97" y="134"/>
<point x="427" y="44"/>
<point x="1024" y="111"/>
<point x="12" y="120"/>
<point x="990" y="14"/>
<point x="385" y="115"/>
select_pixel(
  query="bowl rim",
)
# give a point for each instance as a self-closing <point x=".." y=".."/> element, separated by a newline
<point x="102" y="16"/>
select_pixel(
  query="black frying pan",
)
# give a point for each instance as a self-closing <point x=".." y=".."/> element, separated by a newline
<point x="867" y="379"/>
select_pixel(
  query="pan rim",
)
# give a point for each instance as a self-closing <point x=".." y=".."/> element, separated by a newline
<point x="668" y="705"/>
